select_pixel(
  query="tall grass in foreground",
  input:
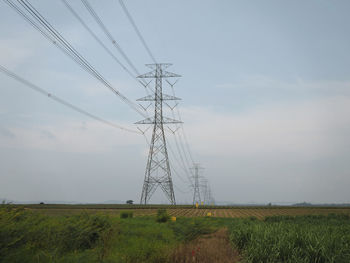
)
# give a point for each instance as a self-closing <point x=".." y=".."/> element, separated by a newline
<point x="306" y="239"/>
<point x="30" y="237"/>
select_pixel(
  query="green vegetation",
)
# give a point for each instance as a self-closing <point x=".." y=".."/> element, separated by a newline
<point x="27" y="236"/>
<point x="30" y="237"/>
<point x="293" y="239"/>
<point x="162" y="216"/>
<point x="126" y="214"/>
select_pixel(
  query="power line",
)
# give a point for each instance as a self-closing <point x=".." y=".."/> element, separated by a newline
<point x="154" y="60"/>
<point x="174" y="171"/>
<point x="172" y="85"/>
<point x="179" y="144"/>
<point x="137" y="30"/>
<point x="183" y="192"/>
<point x="103" y="27"/>
<point x="182" y="126"/>
<point x="183" y="158"/>
<point x="109" y="35"/>
<point x="183" y="148"/>
<point x="186" y="141"/>
<point x="36" y="14"/>
<point x="207" y="193"/>
<point x="61" y="101"/>
<point x="57" y="39"/>
<point x="75" y="14"/>
<point x="179" y="163"/>
<point x="152" y="57"/>
<point x="173" y="156"/>
<point x="98" y="40"/>
<point x="114" y="42"/>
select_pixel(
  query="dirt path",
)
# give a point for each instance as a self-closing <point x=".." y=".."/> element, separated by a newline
<point x="211" y="248"/>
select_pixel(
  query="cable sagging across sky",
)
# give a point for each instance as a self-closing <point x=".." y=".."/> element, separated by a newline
<point x="49" y="32"/>
<point x="137" y="30"/>
<point x="109" y="35"/>
<point x="180" y="141"/>
<point x="61" y="101"/>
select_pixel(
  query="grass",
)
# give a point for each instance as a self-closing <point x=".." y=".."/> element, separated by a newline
<point x="27" y="236"/>
<point x="30" y="237"/>
<point x="293" y="239"/>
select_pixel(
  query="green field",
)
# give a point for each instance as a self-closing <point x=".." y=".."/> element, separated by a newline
<point x="97" y="233"/>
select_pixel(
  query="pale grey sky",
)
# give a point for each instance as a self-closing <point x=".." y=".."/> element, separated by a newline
<point x="265" y="88"/>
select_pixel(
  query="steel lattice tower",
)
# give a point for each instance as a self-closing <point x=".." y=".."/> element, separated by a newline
<point x="158" y="168"/>
<point x="196" y="190"/>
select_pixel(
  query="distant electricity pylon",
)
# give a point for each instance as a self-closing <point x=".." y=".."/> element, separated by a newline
<point x="196" y="185"/>
<point x="158" y="168"/>
<point x="207" y="197"/>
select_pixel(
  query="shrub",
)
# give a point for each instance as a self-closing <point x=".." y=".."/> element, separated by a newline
<point x="126" y="214"/>
<point x="162" y="216"/>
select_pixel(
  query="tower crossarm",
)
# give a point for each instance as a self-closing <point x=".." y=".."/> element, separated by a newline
<point x="164" y="120"/>
<point x="163" y="74"/>
<point x="164" y="97"/>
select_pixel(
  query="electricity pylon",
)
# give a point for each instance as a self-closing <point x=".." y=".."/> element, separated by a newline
<point x="205" y="188"/>
<point x="158" y="169"/>
<point x="196" y="190"/>
<point x="207" y="197"/>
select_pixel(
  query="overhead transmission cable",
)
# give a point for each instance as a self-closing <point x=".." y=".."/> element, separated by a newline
<point x="175" y="172"/>
<point x="61" y="101"/>
<point x="57" y="39"/>
<point x="54" y="36"/>
<point x="76" y="15"/>
<point x="181" y="191"/>
<point x="172" y="167"/>
<point x="179" y="144"/>
<point x="137" y="30"/>
<point x="180" y="147"/>
<point x="114" y="42"/>
<point x="36" y="14"/>
<point x="109" y="35"/>
<point x="154" y="60"/>
<point x="181" y="125"/>
<point x="181" y="163"/>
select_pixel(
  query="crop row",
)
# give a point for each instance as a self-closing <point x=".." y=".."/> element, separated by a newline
<point x="192" y="212"/>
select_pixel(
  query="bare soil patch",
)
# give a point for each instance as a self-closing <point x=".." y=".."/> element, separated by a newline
<point x="211" y="248"/>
